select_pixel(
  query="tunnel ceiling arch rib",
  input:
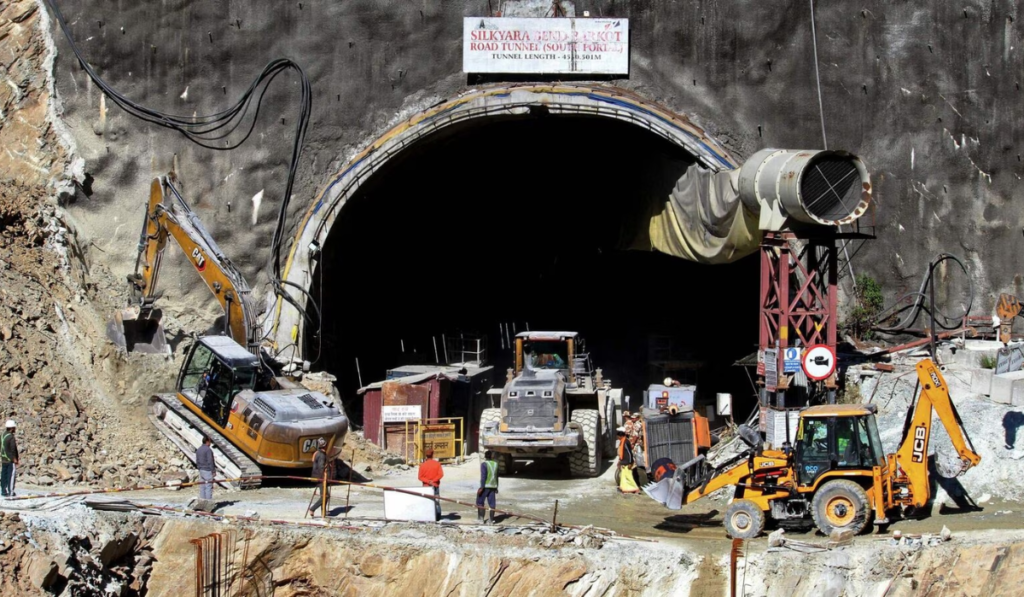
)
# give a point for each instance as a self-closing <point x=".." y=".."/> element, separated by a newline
<point x="702" y="219"/>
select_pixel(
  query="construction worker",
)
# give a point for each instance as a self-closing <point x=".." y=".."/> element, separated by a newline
<point x="488" y="487"/>
<point x="207" y="469"/>
<point x="627" y="423"/>
<point x="9" y="460"/>
<point x="430" y="475"/>
<point x="319" y="470"/>
<point x="635" y="432"/>
<point x="627" y="464"/>
<point x="625" y="448"/>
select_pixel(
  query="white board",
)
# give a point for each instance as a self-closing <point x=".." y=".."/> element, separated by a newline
<point x="402" y="506"/>
<point x="545" y="46"/>
<point x="401" y="412"/>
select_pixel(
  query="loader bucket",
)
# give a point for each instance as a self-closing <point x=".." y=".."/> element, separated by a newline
<point x="138" y="334"/>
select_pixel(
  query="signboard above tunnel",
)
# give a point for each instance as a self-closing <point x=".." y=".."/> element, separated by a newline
<point x="545" y="46"/>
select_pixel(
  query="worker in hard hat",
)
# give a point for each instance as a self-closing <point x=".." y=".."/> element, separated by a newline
<point x="430" y="474"/>
<point x="9" y="460"/>
<point x="635" y="433"/>
<point x="320" y="469"/>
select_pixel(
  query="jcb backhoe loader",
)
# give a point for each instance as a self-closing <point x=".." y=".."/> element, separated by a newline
<point x="227" y="389"/>
<point x="837" y="473"/>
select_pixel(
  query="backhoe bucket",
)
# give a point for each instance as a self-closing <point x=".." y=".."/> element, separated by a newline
<point x="669" y="491"/>
<point x="138" y="334"/>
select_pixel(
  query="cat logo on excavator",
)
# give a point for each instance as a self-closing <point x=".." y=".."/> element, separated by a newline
<point x="197" y="257"/>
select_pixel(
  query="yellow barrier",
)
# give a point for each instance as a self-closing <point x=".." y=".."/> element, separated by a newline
<point x="446" y="435"/>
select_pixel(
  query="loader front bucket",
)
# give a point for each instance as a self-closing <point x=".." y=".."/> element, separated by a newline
<point x="138" y="334"/>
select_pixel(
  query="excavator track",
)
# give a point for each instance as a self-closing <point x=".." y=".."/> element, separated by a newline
<point x="185" y="430"/>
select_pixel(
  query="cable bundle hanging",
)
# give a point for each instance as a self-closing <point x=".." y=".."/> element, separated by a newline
<point x="207" y="130"/>
<point x="942" y="320"/>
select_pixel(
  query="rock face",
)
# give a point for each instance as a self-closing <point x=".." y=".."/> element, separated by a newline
<point x="34" y="155"/>
<point x="926" y="93"/>
<point x="426" y="561"/>
<point x="52" y="555"/>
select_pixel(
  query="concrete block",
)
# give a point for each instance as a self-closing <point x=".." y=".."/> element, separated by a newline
<point x="981" y="381"/>
<point x="1008" y="388"/>
<point x="969" y="356"/>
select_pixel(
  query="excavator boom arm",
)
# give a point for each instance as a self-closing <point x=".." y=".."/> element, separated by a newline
<point x="912" y="454"/>
<point x="168" y="215"/>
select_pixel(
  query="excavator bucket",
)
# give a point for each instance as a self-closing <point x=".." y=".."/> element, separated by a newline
<point x="138" y="334"/>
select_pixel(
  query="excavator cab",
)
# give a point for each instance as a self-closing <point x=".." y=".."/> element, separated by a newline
<point x="837" y="438"/>
<point x="216" y="370"/>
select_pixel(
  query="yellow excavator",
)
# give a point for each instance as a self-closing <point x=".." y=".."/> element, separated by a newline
<point x="228" y="389"/>
<point x="837" y="473"/>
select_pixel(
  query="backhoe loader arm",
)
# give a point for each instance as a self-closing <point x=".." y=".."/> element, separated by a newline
<point x="912" y="455"/>
<point x="167" y="215"/>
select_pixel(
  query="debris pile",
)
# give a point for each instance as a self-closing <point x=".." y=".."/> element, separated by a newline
<point x="51" y="364"/>
<point x="39" y="556"/>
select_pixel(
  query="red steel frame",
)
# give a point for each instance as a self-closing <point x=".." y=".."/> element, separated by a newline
<point x="798" y="294"/>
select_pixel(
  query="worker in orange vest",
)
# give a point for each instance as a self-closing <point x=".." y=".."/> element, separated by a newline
<point x="430" y="475"/>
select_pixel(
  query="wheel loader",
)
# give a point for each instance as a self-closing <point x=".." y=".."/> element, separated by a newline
<point x="229" y="389"/>
<point x="554" y="405"/>
<point x="837" y="473"/>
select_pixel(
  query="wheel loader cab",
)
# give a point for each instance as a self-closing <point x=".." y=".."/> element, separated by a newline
<point x="215" y="371"/>
<point x="836" y="438"/>
<point x="553" y="351"/>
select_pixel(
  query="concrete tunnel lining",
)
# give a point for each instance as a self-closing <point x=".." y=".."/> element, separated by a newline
<point x="599" y="101"/>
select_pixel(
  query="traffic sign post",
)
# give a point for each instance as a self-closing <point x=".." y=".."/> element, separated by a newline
<point x="819" y="362"/>
<point x="791" y="360"/>
<point x="771" y="369"/>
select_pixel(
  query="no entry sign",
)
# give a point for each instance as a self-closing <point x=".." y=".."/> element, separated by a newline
<point x="819" y="362"/>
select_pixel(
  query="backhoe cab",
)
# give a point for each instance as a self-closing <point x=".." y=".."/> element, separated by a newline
<point x="836" y="474"/>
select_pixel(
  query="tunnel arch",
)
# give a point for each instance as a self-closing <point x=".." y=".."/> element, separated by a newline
<point x="577" y="100"/>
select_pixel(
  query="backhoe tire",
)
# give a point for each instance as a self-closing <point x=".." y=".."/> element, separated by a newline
<point x="586" y="460"/>
<point x="841" y="505"/>
<point x="744" y="520"/>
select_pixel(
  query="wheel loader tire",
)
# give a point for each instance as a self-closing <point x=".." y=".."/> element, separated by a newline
<point x="586" y="460"/>
<point x="489" y="415"/>
<point x="744" y="520"/>
<point x="608" y="432"/>
<point x="493" y="415"/>
<point x="840" y="505"/>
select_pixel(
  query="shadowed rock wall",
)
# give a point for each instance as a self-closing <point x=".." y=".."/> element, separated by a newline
<point x="927" y="93"/>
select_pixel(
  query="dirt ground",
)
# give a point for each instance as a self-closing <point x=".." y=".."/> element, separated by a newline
<point x="534" y="491"/>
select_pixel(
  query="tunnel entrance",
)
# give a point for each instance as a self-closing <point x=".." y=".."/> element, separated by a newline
<point x="527" y="221"/>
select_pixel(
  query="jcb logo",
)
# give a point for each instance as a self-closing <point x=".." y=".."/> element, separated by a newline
<point x="920" y="438"/>
<point x="197" y="257"/>
<point x="935" y="379"/>
<point x="309" y="445"/>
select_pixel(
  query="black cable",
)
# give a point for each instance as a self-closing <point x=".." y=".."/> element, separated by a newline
<point x="205" y="129"/>
<point x="917" y="306"/>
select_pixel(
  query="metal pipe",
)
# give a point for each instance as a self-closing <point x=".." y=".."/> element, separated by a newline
<point x="931" y="308"/>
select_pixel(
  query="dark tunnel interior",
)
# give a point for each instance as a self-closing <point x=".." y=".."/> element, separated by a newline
<point x="526" y="221"/>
